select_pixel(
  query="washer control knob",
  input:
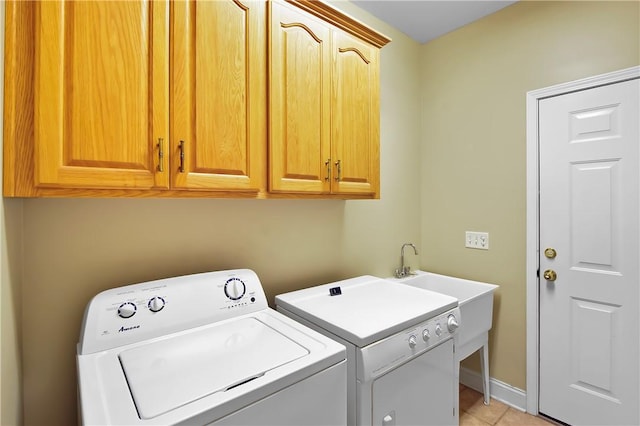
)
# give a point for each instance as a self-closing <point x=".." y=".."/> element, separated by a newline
<point x="127" y="310"/>
<point x="426" y="335"/>
<point x="438" y="330"/>
<point x="452" y="323"/>
<point x="156" y="304"/>
<point x="234" y="288"/>
<point x="413" y="341"/>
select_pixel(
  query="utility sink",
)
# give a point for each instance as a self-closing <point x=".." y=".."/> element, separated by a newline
<point x="475" y="300"/>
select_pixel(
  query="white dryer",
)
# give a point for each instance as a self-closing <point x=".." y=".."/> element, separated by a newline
<point x="400" y="350"/>
<point x="204" y="349"/>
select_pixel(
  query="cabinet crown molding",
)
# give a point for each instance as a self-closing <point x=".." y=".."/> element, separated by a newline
<point x="343" y="21"/>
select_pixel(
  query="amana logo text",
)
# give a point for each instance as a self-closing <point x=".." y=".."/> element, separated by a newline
<point x="133" y="327"/>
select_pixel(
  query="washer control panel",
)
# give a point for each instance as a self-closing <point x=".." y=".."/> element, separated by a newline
<point x="137" y="312"/>
<point x="382" y="356"/>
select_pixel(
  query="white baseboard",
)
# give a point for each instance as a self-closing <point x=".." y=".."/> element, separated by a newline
<point x="503" y="392"/>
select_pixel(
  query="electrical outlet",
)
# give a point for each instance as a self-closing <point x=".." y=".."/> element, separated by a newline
<point x="476" y="240"/>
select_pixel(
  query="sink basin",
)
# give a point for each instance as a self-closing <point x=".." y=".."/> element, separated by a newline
<point x="475" y="300"/>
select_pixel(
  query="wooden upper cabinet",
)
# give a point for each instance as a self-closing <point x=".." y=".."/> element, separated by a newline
<point x="356" y="116"/>
<point x="218" y="106"/>
<point x="170" y="98"/>
<point x="300" y="96"/>
<point x="135" y="98"/>
<point x="100" y="98"/>
<point x="324" y="101"/>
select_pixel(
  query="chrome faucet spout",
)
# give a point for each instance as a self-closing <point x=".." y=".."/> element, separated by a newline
<point x="403" y="271"/>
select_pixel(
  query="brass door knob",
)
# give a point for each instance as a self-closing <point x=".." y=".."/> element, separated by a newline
<point x="550" y="253"/>
<point x="550" y="275"/>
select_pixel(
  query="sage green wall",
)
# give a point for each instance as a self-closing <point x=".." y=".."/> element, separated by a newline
<point x="10" y="313"/>
<point x="74" y="248"/>
<point x="474" y="81"/>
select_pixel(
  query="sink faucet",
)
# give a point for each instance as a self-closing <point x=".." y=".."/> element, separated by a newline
<point x="404" y="271"/>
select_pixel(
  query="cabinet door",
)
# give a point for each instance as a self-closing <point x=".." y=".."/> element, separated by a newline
<point x="218" y="106"/>
<point x="355" y="116"/>
<point x="300" y="69"/>
<point x="101" y="94"/>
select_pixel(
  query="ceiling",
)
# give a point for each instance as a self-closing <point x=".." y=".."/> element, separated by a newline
<point x="424" y="20"/>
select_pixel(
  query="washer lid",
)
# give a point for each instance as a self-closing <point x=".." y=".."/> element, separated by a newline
<point x="172" y="372"/>
<point x="368" y="308"/>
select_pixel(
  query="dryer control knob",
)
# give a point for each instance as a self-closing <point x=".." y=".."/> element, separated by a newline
<point x="413" y="341"/>
<point x="452" y="323"/>
<point x="438" y="330"/>
<point x="426" y="335"/>
<point x="156" y="304"/>
<point x="127" y="310"/>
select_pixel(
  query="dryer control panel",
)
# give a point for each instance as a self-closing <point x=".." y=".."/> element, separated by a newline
<point x="384" y="355"/>
<point x="137" y="312"/>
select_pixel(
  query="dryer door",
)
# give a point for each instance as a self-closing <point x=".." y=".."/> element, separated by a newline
<point x="419" y="392"/>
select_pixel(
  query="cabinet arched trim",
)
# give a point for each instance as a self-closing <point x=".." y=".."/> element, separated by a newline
<point x="241" y="6"/>
<point x="353" y="49"/>
<point x="304" y="27"/>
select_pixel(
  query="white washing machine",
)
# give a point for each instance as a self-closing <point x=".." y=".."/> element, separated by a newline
<point x="204" y="349"/>
<point x="399" y="340"/>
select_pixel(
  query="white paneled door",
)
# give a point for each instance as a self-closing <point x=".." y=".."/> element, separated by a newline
<point x="589" y="255"/>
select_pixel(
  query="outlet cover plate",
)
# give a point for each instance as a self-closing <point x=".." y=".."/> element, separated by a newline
<point x="476" y="240"/>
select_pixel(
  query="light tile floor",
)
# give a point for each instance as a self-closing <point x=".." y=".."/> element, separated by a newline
<point x="473" y="412"/>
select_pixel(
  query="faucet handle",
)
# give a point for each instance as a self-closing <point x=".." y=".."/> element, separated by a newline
<point x="405" y="271"/>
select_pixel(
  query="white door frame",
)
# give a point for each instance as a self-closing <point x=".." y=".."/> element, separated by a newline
<point x="533" y="219"/>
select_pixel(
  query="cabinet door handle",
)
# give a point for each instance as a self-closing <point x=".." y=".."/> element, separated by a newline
<point x="181" y="147"/>
<point x="339" y="167"/>
<point x="328" y="166"/>
<point x="160" y="154"/>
